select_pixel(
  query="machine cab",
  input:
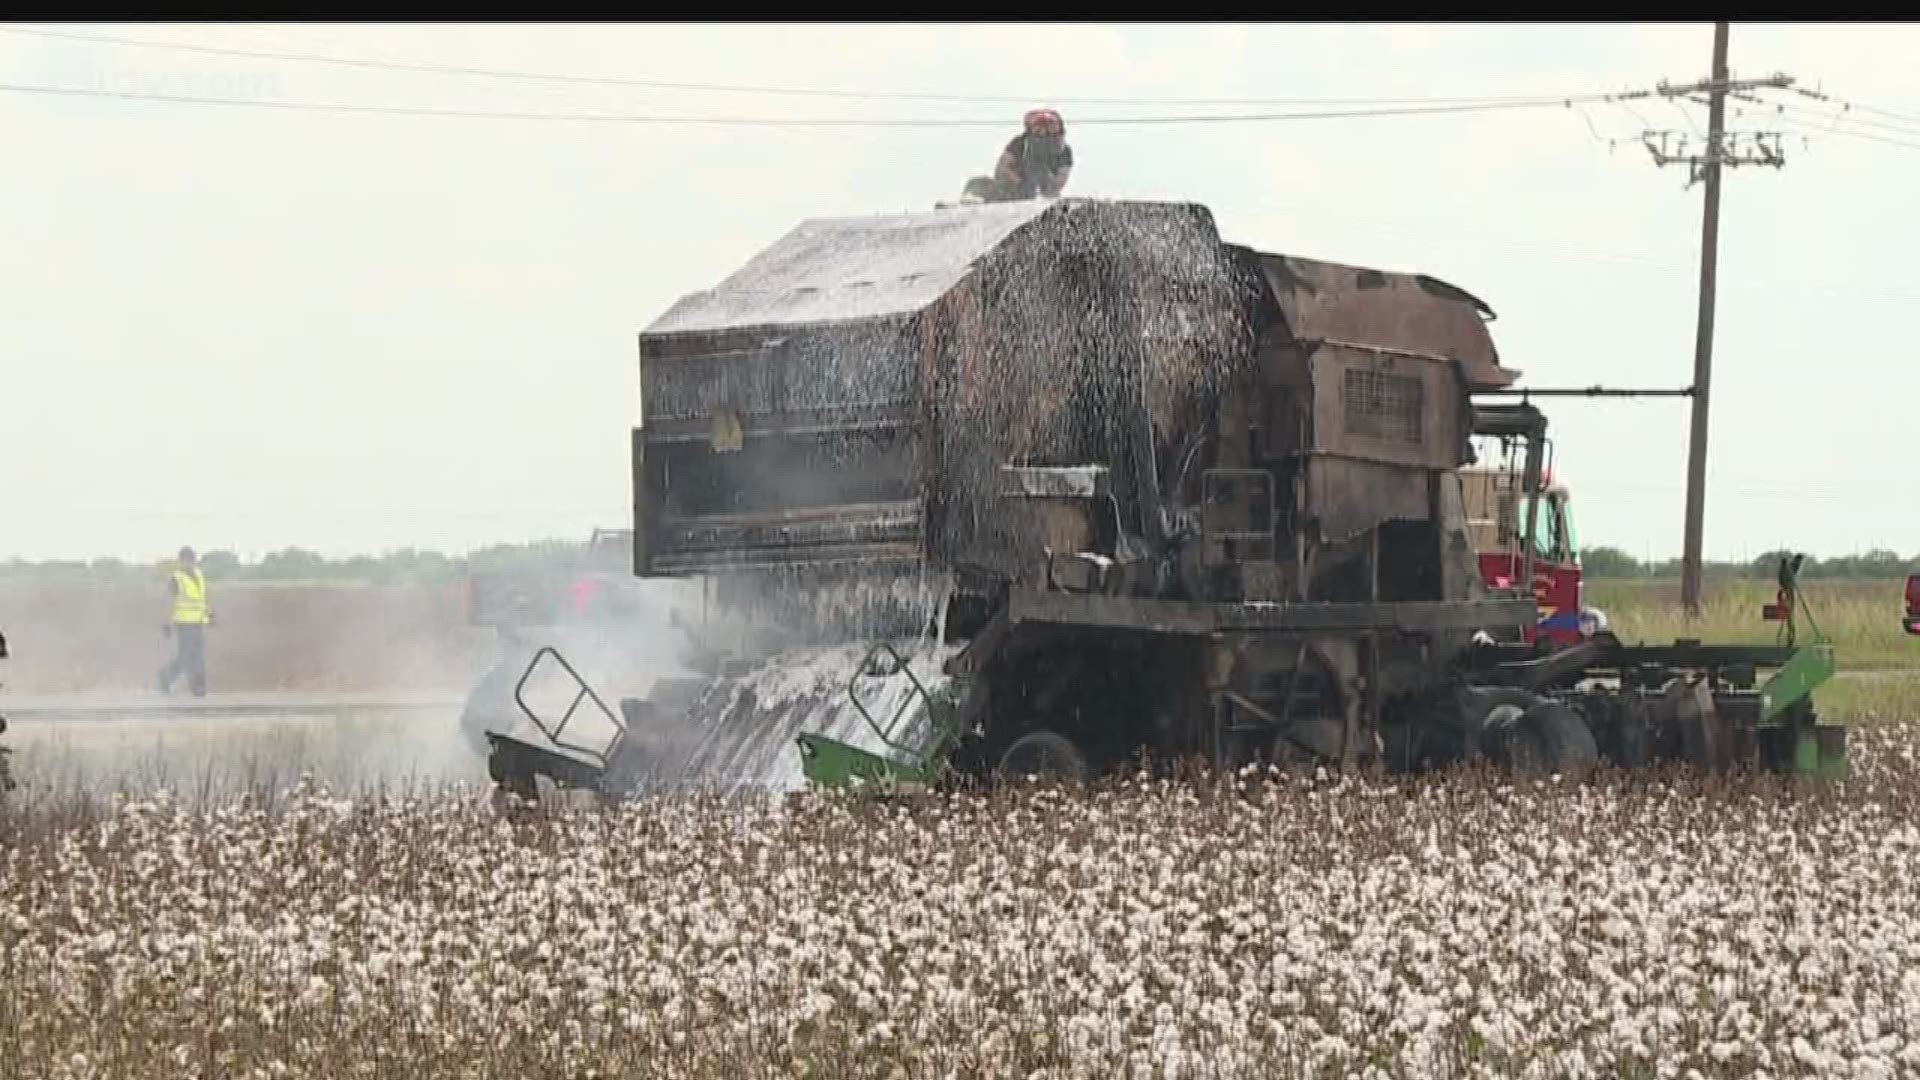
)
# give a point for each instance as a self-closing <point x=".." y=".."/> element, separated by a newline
<point x="1497" y="522"/>
<point x="1912" y="619"/>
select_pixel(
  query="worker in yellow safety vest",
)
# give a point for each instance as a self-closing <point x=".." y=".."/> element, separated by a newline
<point x="192" y="614"/>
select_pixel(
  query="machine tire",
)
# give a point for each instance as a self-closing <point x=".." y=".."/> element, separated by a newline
<point x="1046" y="754"/>
<point x="1486" y="714"/>
<point x="1552" y="738"/>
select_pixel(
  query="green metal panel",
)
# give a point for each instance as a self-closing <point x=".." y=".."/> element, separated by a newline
<point x="1821" y="752"/>
<point x="832" y="763"/>
<point x="829" y="762"/>
<point x="1794" y="682"/>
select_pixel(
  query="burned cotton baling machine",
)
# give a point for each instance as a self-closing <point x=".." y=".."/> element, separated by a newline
<point x="1038" y="486"/>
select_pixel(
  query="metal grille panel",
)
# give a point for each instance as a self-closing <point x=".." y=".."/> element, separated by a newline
<point x="1386" y="407"/>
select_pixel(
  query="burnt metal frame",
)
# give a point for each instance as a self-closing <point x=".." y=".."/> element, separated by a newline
<point x="605" y="757"/>
<point x="899" y="666"/>
<point x="515" y="764"/>
<point x="1026" y="604"/>
<point x="1259" y="485"/>
<point x="1604" y="652"/>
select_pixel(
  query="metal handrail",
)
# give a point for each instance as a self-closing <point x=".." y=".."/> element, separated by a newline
<point x="620" y="728"/>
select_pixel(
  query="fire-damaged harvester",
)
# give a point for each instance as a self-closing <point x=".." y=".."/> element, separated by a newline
<point x="1052" y="486"/>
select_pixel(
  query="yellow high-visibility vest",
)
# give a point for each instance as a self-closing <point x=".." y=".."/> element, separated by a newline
<point x="190" y="603"/>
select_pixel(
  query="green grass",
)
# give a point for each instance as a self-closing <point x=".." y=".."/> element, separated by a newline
<point x="1870" y="697"/>
<point x="1879" y="662"/>
<point x="1860" y="618"/>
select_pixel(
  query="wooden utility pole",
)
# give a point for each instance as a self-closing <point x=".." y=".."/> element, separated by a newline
<point x="1706" y="167"/>
<point x="1703" y="334"/>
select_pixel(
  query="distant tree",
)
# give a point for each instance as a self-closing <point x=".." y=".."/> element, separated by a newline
<point x="293" y="563"/>
<point x="220" y="563"/>
<point x="1610" y="562"/>
<point x="364" y="568"/>
<point x="1881" y="563"/>
<point x="1766" y="566"/>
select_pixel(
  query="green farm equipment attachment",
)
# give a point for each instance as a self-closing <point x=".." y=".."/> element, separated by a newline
<point x="912" y="760"/>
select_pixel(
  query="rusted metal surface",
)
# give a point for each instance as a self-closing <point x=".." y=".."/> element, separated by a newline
<point x="1399" y="410"/>
<point x="860" y="367"/>
<point x="1706" y="736"/>
<point x="1554" y="669"/>
<point x="1459" y="561"/>
<point x="1196" y="617"/>
<point x="850" y="269"/>
<point x="908" y="360"/>
<point x="1098" y="335"/>
<point x="1057" y="482"/>
<point x="884" y="359"/>
<point x="842" y="524"/>
<point x="1413" y="312"/>
<point x="1347" y="497"/>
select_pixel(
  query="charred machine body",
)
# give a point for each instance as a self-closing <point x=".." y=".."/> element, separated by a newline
<point x="1047" y="486"/>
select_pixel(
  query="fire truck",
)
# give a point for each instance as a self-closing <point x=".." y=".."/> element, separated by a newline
<point x="1497" y="525"/>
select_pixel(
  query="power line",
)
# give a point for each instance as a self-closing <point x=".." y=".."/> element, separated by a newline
<point x="797" y="122"/>
<point x="792" y="91"/>
<point x="1843" y="115"/>
<point x="1806" y="130"/>
<point x="1802" y="122"/>
<point x="1845" y="105"/>
<point x="1833" y="122"/>
<point x="1801" y="119"/>
<point x="1470" y="103"/>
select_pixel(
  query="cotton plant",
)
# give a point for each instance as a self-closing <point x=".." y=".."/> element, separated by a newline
<point x="1258" y="925"/>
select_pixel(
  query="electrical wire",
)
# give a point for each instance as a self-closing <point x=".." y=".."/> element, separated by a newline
<point x="1802" y="118"/>
<point x="1806" y="129"/>
<point x="1800" y="122"/>
<point x="793" y="91"/>
<point x="791" y="122"/>
<point x="1816" y="95"/>
<point x="1843" y="115"/>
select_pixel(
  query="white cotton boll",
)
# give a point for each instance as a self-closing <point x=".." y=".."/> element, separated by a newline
<point x="1872" y="1068"/>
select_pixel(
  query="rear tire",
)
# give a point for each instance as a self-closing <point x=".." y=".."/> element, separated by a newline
<point x="1045" y="754"/>
<point x="1552" y="738"/>
<point x="1485" y="717"/>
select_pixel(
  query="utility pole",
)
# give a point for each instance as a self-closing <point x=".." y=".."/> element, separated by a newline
<point x="1703" y="333"/>
<point x="1721" y="150"/>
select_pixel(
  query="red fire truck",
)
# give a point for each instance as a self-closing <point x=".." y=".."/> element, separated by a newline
<point x="1496" y="521"/>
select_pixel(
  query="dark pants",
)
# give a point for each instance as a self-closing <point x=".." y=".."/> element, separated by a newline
<point x="189" y="659"/>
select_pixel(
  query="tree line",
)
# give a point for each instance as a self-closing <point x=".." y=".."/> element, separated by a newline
<point x="415" y="566"/>
<point x="294" y="564"/>
<point x="1602" y="563"/>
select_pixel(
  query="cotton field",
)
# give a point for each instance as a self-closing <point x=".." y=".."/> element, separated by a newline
<point x="1268" y="927"/>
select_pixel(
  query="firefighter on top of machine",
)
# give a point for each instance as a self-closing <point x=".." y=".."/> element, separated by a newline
<point x="187" y="625"/>
<point x="1034" y="163"/>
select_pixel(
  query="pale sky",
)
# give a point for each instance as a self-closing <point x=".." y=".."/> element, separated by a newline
<point x="250" y="328"/>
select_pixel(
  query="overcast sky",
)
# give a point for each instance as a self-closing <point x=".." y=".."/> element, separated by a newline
<point x="252" y="328"/>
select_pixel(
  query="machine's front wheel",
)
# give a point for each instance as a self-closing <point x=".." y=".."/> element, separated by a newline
<point x="1045" y="754"/>
<point x="1552" y="738"/>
